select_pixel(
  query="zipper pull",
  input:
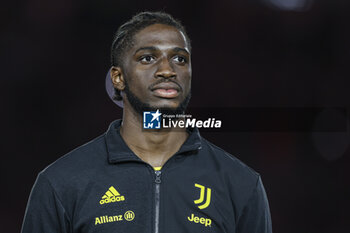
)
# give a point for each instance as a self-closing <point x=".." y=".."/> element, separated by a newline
<point x="158" y="173"/>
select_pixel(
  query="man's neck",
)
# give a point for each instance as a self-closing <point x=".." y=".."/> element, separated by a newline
<point x="154" y="147"/>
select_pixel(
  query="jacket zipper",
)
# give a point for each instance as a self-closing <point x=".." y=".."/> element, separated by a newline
<point x="157" y="200"/>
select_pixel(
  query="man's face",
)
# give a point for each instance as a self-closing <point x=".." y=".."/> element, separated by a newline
<point x="157" y="70"/>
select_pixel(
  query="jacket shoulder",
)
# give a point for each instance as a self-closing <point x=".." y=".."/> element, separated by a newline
<point x="241" y="180"/>
<point x="239" y="174"/>
<point x="84" y="159"/>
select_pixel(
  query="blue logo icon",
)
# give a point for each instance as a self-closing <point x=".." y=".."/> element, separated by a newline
<point x="151" y="120"/>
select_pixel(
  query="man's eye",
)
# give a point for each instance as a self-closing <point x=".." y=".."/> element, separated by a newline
<point x="180" y="59"/>
<point x="146" y="59"/>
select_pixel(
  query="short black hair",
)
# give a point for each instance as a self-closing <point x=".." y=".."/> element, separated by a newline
<point x="124" y="36"/>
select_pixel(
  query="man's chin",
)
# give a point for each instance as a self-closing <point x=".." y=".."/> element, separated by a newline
<point x="164" y="109"/>
<point x="168" y="110"/>
<point x="161" y="105"/>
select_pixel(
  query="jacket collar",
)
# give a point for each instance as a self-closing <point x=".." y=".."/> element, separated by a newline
<point x="118" y="151"/>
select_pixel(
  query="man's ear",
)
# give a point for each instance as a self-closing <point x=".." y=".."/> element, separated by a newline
<point x="117" y="78"/>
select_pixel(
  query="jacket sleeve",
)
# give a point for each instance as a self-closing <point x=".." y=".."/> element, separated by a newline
<point x="255" y="217"/>
<point x="45" y="212"/>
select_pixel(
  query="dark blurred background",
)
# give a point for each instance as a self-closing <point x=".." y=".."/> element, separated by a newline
<point x="54" y="56"/>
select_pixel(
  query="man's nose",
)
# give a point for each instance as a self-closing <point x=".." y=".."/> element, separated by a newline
<point x="165" y="70"/>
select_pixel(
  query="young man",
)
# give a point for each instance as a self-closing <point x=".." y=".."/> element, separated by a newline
<point x="135" y="180"/>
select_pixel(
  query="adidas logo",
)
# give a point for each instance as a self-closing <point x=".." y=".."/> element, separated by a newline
<point x="111" y="195"/>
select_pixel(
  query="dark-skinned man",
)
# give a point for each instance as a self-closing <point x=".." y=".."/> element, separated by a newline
<point x="154" y="181"/>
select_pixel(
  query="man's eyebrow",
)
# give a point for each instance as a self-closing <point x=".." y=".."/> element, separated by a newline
<point x="152" y="48"/>
<point x="177" y="49"/>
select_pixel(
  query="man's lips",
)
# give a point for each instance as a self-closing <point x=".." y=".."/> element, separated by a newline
<point x="166" y="93"/>
<point x="166" y="90"/>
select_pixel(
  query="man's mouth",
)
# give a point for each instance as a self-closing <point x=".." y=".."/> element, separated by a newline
<point x="166" y="90"/>
<point x="166" y="93"/>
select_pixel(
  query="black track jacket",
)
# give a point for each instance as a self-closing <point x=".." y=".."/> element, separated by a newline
<point x="104" y="187"/>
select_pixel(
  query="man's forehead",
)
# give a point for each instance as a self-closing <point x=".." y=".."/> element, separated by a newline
<point x="160" y="36"/>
